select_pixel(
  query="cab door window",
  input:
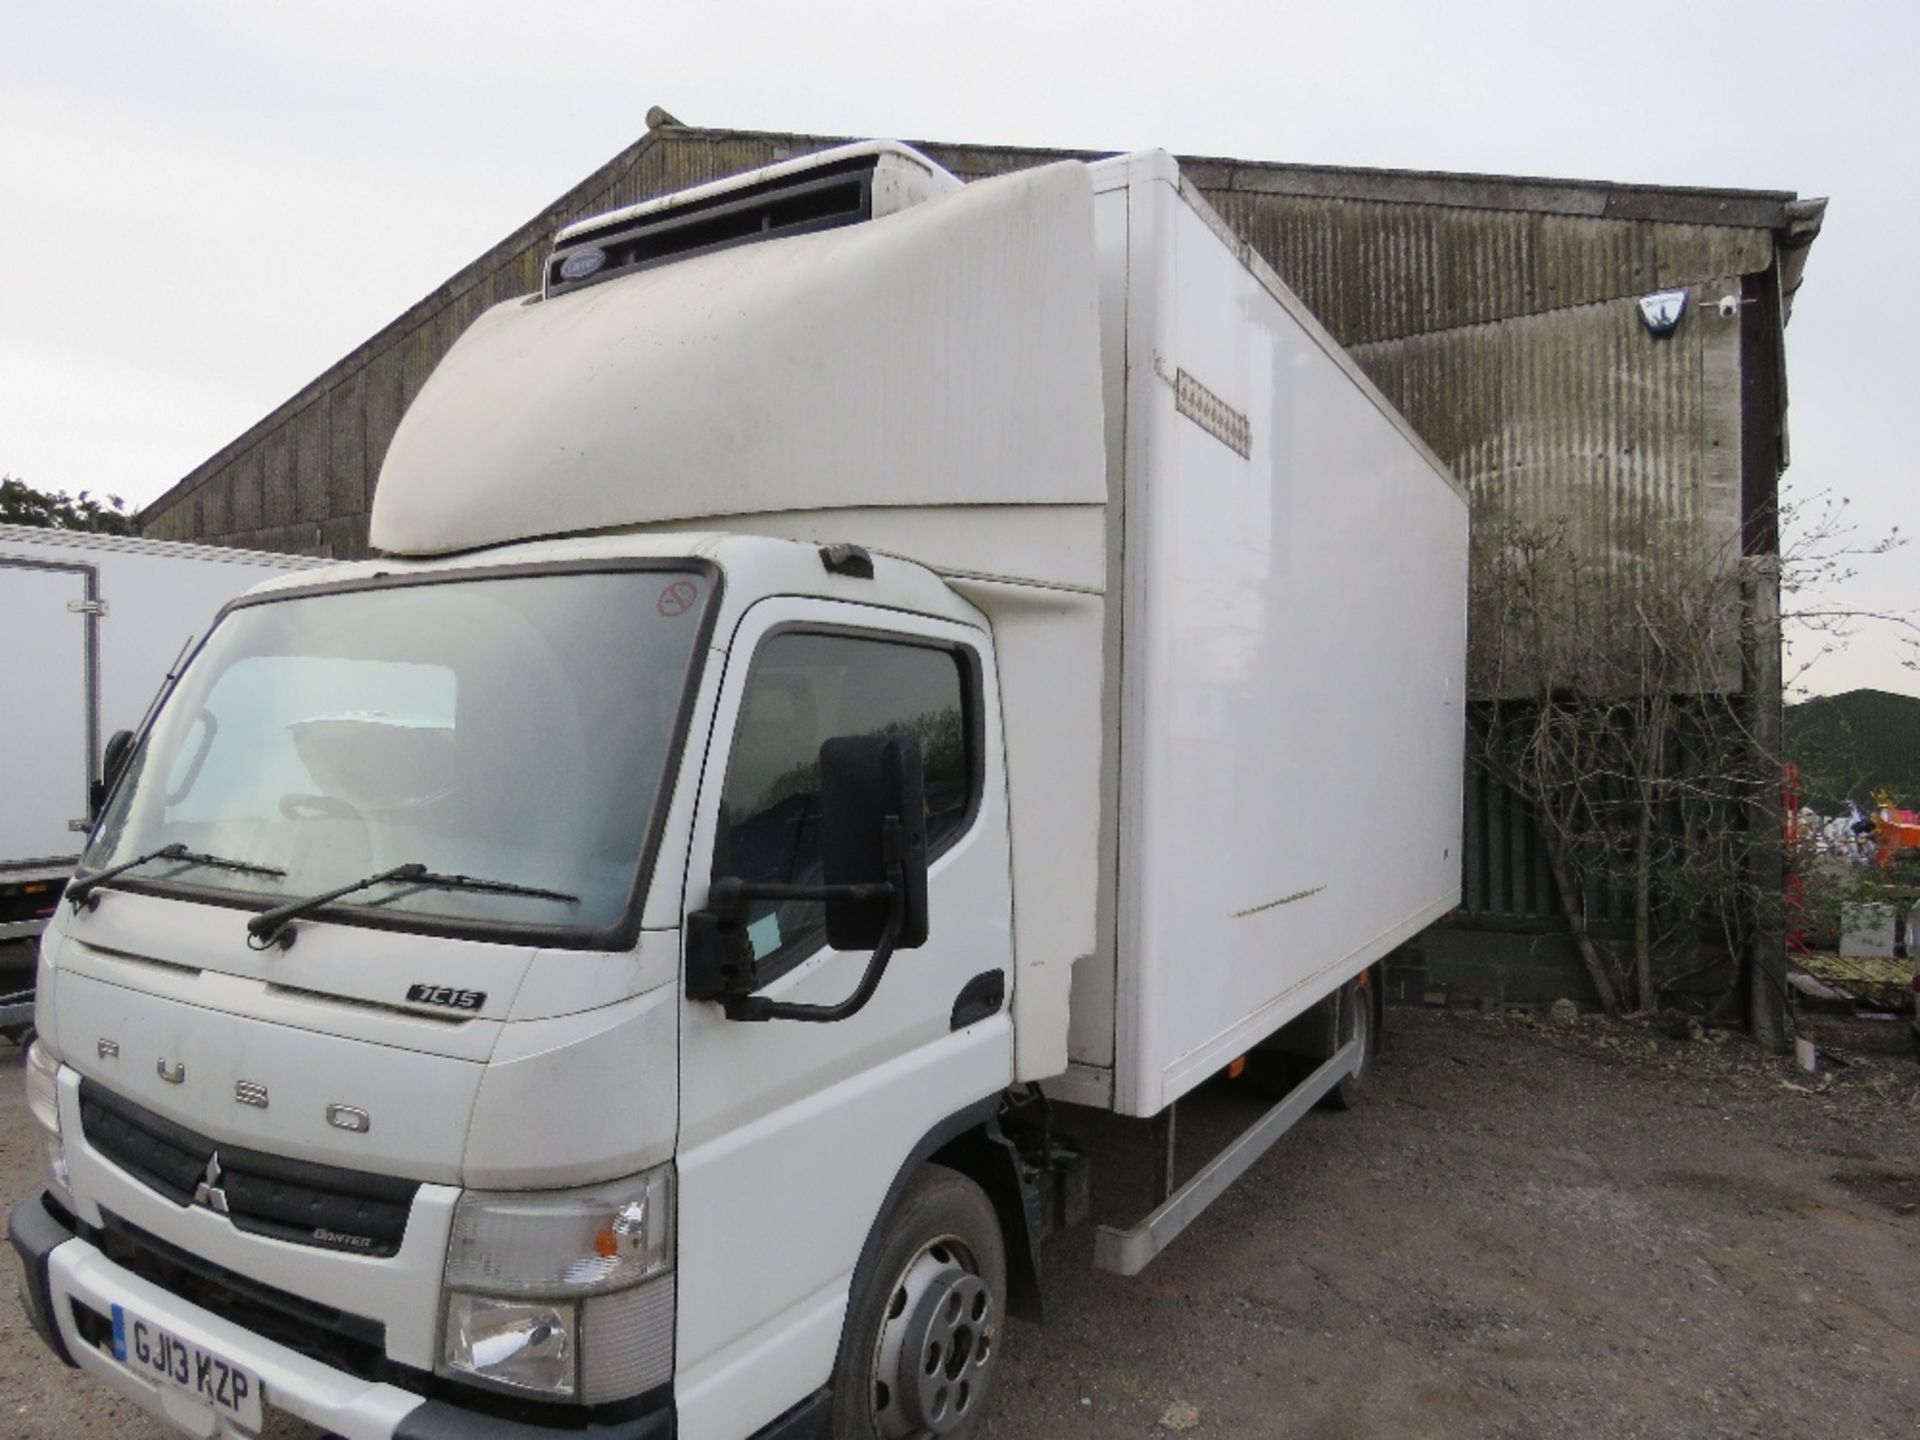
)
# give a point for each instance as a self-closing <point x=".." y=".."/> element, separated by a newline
<point x="806" y="687"/>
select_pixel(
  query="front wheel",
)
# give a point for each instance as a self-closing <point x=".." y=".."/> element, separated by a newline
<point x="923" y="1334"/>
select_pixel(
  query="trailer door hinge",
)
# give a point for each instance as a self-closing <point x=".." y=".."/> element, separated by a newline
<point x="87" y="607"/>
<point x="80" y="827"/>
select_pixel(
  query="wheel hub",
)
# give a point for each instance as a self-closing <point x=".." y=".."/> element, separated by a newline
<point x="936" y="1346"/>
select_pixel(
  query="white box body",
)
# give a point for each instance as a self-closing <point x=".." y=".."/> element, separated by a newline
<point x="1291" y="639"/>
<point x="94" y="622"/>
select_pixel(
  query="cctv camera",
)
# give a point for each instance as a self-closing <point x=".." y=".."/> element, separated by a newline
<point x="1729" y="306"/>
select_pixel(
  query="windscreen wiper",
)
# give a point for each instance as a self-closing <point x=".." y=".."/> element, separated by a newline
<point x="79" y="890"/>
<point x="271" y="925"/>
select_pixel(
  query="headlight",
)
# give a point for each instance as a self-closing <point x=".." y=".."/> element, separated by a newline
<point x="563" y="1293"/>
<point x="43" y="1103"/>
<point x="511" y="1342"/>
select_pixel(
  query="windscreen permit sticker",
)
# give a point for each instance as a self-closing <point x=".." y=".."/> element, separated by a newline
<point x="764" y="936"/>
<point x="678" y="598"/>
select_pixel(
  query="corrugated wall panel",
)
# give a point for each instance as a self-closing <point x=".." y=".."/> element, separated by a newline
<point x="347" y="452"/>
<point x="1579" y="418"/>
<point x="246" y="480"/>
<point x="1505" y="876"/>
<point x="1374" y="270"/>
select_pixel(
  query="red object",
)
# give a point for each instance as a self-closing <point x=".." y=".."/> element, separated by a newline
<point x="1796" y="914"/>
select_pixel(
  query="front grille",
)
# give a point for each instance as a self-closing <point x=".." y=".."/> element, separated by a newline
<point x="348" y="1342"/>
<point x="293" y="1200"/>
<point x="168" y="1157"/>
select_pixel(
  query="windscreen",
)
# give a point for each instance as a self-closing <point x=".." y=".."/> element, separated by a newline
<point x="514" y="729"/>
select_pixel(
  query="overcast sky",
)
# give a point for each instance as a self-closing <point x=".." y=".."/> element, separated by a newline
<point x="206" y="204"/>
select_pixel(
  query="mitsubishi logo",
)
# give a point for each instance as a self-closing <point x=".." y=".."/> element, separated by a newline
<point x="208" y="1191"/>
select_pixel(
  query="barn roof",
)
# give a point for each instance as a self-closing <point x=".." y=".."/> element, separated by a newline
<point x="1377" y="254"/>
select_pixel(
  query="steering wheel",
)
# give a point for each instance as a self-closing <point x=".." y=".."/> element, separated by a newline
<point x="317" y="807"/>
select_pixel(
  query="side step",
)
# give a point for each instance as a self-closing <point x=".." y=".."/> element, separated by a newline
<point x="1126" y="1252"/>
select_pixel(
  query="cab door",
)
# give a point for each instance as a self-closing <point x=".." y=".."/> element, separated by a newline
<point x="792" y="1132"/>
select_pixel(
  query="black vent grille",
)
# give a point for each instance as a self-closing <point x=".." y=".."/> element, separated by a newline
<point x="293" y="1200"/>
<point x="823" y="199"/>
<point x="353" y="1343"/>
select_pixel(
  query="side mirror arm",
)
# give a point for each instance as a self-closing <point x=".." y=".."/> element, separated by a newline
<point x="718" y="967"/>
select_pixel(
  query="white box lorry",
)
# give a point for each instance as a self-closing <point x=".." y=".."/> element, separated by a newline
<point x="93" y="624"/>
<point x="861" y="671"/>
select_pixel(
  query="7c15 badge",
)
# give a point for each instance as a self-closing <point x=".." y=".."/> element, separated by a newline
<point x="446" y="995"/>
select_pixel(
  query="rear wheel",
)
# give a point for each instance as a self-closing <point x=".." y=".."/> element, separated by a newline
<point x="1358" y="1021"/>
<point x="1276" y="1066"/>
<point x="923" y="1335"/>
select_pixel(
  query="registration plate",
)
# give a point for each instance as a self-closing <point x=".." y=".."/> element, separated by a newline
<point x="159" y="1355"/>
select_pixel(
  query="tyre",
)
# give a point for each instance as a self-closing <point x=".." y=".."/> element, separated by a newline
<point x="1278" y="1064"/>
<point x="921" y="1347"/>
<point x="1358" y="1021"/>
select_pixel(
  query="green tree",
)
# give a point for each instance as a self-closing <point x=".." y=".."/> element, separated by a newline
<point x="21" y="504"/>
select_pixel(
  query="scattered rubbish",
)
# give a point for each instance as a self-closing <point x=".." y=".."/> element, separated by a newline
<point x="1676" y="1026"/>
<point x="1564" y="1012"/>
<point x="1436" y="995"/>
<point x="1854" y="980"/>
<point x="1807" y="987"/>
<point x="1181" y="1415"/>
<point x="1807" y="1054"/>
<point x="1799" y="1089"/>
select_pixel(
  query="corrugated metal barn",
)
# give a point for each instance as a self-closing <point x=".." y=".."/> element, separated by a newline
<point x="1501" y="314"/>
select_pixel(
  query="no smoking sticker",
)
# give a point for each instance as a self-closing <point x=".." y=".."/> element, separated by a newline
<point x="678" y="598"/>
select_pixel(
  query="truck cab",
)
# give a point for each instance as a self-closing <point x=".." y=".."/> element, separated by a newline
<point x="468" y="1121"/>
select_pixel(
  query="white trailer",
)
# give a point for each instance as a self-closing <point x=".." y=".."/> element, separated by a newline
<point x="497" y="1002"/>
<point x="93" y="624"/>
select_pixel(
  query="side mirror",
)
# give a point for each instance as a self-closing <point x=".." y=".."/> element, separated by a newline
<point x="873" y="787"/>
<point x="113" y="760"/>
<point x="873" y="826"/>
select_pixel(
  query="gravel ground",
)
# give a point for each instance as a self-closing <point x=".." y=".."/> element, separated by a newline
<point x="1525" y="1230"/>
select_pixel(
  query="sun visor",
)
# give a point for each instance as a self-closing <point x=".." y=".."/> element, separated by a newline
<point x="947" y="355"/>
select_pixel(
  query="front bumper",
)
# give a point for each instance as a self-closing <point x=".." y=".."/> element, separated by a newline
<point x="61" y="1269"/>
